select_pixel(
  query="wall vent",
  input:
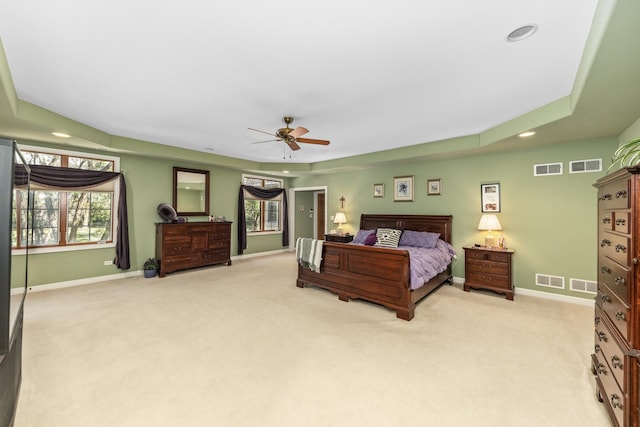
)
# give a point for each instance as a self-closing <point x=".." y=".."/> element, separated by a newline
<point x="547" y="169"/>
<point x="582" y="166"/>
<point x="586" y="286"/>
<point x="550" y="281"/>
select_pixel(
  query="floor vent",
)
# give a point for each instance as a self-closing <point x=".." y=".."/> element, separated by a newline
<point x="582" y="166"/>
<point x="547" y="169"/>
<point x="549" y="281"/>
<point x="586" y="286"/>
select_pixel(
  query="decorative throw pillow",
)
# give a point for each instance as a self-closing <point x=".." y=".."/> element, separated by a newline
<point x="362" y="235"/>
<point x="370" y="240"/>
<point x="419" y="239"/>
<point x="387" y="237"/>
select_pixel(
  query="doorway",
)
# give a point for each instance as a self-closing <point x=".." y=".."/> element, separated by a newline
<point x="319" y="194"/>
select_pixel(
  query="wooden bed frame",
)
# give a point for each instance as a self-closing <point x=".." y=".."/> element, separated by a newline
<point x="375" y="274"/>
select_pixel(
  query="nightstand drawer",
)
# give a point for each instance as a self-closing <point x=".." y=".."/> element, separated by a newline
<point x="492" y="280"/>
<point x="491" y="267"/>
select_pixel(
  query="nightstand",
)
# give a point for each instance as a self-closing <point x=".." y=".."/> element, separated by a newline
<point x="340" y="238"/>
<point x="488" y="268"/>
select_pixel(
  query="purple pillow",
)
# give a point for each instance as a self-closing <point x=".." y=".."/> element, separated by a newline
<point x="361" y="236"/>
<point x="370" y="240"/>
<point x="420" y="239"/>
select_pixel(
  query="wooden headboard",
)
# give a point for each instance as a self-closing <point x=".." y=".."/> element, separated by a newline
<point x="432" y="223"/>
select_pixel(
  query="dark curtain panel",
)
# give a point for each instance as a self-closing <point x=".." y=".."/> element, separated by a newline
<point x="263" y="194"/>
<point x="85" y="179"/>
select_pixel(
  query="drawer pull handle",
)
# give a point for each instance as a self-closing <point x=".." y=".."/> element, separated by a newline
<point x="621" y="248"/>
<point x="606" y="197"/>
<point x="600" y="368"/>
<point x="605" y="242"/>
<point x="619" y="280"/>
<point x="597" y="348"/>
<point x="616" y="362"/>
<point x="605" y="298"/>
<point x="596" y="320"/>
<point x="621" y="316"/>
<point x="621" y="193"/>
<point x="602" y="336"/>
<point x="606" y="220"/>
<point x="620" y="221"/>
<point x="615" y="401"/>
<point x="605" y="270"/>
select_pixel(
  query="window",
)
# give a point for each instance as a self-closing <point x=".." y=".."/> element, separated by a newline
<point x="64" y="218"/>
<point x="262" y="215"/>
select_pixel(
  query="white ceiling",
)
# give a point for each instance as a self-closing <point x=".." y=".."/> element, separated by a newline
<point x="367" y="75"/>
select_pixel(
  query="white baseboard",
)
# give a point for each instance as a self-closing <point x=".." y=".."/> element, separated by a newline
<point x="588" y="302"/>
<point x="85" y="281"/>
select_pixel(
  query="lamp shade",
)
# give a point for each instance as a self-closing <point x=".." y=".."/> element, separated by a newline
<point x="489" y="222"/>
<point x="339" y="218"/>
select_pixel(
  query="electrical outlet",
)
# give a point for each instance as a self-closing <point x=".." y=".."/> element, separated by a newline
<point x="108" y="262"/>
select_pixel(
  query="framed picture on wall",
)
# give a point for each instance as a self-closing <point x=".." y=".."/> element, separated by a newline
<point x="403" y="189"/>
<point x="434" y="187"/>
<point x="378" y="190"/>
<point x="490" y="197"/>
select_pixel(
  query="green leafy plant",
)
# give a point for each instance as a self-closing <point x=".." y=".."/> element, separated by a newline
<point x="151" y="264"/>
<point x="627" y="154"/>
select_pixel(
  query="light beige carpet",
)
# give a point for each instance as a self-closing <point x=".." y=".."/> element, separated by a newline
<point x="243" y="346"/>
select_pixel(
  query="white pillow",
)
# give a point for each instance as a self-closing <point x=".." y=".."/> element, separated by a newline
<point x="387" y="237"/>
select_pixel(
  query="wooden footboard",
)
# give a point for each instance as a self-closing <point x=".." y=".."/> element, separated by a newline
<point x="375" y="274"/>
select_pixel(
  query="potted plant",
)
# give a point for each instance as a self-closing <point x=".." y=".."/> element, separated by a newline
<point x="626" y="155"/>
<point x="150" y="267"/>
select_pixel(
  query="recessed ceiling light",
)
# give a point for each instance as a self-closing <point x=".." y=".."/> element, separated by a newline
<point x="526" y="134"/>
<point x="61" y="135"/>
<point x="522" y="33"/>
<point x="285" y="171"/>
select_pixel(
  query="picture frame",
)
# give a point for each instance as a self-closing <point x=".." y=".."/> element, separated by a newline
<point x="434" y="187"/>
<point x="378" y="190"/>
<point x="490" y="197"/>
<point x="403" y="188"/>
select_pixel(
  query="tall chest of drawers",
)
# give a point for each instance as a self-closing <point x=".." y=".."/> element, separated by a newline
<point x="192" y="244"/>
<point x="617" y="309"/>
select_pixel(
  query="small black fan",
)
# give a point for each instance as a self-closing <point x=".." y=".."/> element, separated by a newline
<point x="167" y="212"/>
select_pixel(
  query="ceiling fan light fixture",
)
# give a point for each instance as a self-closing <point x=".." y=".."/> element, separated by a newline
<point x="522" y="33"/>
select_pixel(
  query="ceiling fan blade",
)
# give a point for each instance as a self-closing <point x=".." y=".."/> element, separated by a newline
<point x="292" y="144"/>
<point x="299" y="131"/>
<point x="268" y="140"/>
<point x="314" y="141"/>
<point x="261" y="131"/>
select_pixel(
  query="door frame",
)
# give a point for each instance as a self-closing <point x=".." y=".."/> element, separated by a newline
<point x="292" y="205"/>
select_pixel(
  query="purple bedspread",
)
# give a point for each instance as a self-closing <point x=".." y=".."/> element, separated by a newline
<point x="427" y="263"/>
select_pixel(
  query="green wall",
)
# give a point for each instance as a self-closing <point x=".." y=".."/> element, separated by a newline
<point x="550" y="221"/>
<point x="149" y="182"/>
<point x="304" y="223"/>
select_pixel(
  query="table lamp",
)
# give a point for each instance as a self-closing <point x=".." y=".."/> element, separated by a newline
<point x="339" y="219"/>
<point x="489" y="222"/>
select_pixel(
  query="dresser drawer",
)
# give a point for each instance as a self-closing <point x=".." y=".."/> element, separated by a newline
<point x="176" y="248"/>
<point x="620" y="221"/>
<point x="610" y="350"/>
<point x="488" y="256"/>
<point x="616" y="277"/>
<point x="615" y="195"/>
<point x="178" y="262"/>
<point x="617" y="311"/>
<point x="493" y="280"/>
<point x="616" y="247"/>
<point x="611" y="394"/>
<point x="215" y="256"/>
<point x="491" y="267"/>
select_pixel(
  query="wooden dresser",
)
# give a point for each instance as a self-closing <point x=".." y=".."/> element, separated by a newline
<point x="617" y="310"/>
<point x="488" y="268"/>
<point x="192" y="244"/>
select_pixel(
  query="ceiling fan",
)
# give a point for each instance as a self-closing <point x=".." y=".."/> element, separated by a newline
<point x="291" y="136"/>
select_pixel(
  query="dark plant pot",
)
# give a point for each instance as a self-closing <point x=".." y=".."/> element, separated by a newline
<point x="150" y="273"/>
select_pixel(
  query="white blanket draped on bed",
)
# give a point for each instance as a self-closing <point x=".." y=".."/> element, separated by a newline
<point x="309" y="253"/>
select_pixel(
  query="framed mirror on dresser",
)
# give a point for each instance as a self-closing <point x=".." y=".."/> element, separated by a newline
<point x="191" y="191"/>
